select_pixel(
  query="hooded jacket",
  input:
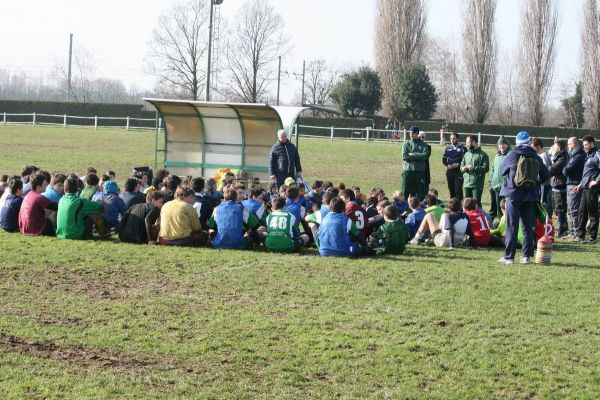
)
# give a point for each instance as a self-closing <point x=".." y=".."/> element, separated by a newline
<point x="508" y="169"/>
<point x="495" y="177"/>
<point x="559" y="160"/>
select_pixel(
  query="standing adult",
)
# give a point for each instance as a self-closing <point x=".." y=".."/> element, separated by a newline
<point x="496" y="179"/>
<point x="588" y="209"/>
<point x="546" y="188"/>
<point x="573" y="171"/>
<point x="474" y="166"/>
<point x="559" y="184"/>
<point x="452" y="158"/>
<point x="284" y="161"/>
<point x="520" y="200"/>
<point x="414" y="157"/>
<point x="427" y="170"/>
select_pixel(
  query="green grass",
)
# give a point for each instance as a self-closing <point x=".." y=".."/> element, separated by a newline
<point x="111" y="320"/>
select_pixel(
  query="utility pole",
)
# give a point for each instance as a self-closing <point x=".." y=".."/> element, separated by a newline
<point x="303" y="74"/>
<point x="278" y="79"/>
<point x="69" y="87"/>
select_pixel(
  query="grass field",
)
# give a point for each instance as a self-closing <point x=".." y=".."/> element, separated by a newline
<point x="110" y="320"/>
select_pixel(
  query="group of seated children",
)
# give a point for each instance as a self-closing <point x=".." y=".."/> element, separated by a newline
<point x="172" y="211"/>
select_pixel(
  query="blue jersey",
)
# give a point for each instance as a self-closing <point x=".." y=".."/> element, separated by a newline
<point x="296" y="209"/>
<point x="229" y="219"/>
<point x="255" y="207"/>
<point x="401" y="206"/>
<point x="414" y="219"/>
<point x="334" y="236"/>
<point x="52" y="194"/>
<point x="453" y="154"/>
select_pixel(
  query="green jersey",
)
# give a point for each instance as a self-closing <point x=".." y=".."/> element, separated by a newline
<point x="394" y="235"/>
<point x="280" y="231"/>
<point x="437" y="211"/>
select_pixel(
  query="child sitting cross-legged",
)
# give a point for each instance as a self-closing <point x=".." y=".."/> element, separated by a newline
<point x="392" y="236"/>
<point x="282" y="231"/>
<point x="179" y="223"/>
<point x="140" y="223"/>
<point x="229" y="222"/>
<point x="336" y="233"/>
<point x="454" y="228"/>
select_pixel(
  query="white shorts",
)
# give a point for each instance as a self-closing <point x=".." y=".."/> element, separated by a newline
<point x="443" y="239"/>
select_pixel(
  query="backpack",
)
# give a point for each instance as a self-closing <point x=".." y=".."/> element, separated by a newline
<point x="526" y="175"/>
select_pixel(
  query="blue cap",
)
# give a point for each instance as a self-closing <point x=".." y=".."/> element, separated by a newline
<point x="523" y="138"/>
<point x="111" y="187"/>
<point x="414" y="129"/>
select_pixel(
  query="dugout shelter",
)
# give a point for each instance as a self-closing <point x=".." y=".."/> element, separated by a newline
<point x="202" y="137"/>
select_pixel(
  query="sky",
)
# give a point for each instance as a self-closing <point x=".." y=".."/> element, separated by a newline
<point x="35" y="34"/>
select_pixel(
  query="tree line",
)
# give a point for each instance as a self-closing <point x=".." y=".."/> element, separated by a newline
<point x="415" y="75"/>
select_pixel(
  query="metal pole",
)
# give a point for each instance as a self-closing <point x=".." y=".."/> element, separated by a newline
<point x="303" y="73"/>
<point x="278" y="79"/>
<point x="156" y="142"/>
<point x="210" y="29"/>
<point x="69" y="88"/>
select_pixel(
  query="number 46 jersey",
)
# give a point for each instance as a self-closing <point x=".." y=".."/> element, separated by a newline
<point x="358" y="215"/>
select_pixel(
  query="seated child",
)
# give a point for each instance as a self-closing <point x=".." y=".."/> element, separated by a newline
<point x="478" y="221"/>
<point x="91" y="186"/>
<point x="433" y="207"/>
<point x="359" y="197"/>
<point x="454" y="228"/>
<point x="336" y="233"/>
<point x="179" y="223"/>
<point x="316" y="194"/>
<point x="293" y="206"/>
<point x="415" y="218"/>
<point x="213" y="193"/>
<point x="9" y="214"/>
<point x="282" y="232"/>
<point x="114" y="207"/>
<point x="314" y="220"/>
<point x="73" y="219"/>
<point x="141" y="220"/>
<point x="32" y="216"/>
<point x="379" y="219"/>
<point x="56" y="189"/>
<point x="400" y="203"/>
<point x="255" y="205"/>
<point x="392" y="236"/>
<point x="228" y="222"/>
<point x="355" y="212"/>
<point x="203" y="204"/>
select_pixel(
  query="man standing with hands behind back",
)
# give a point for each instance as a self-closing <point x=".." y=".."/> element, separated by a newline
<point x="474" y="166"/>
<point x="284" y="161"/>
<point x="452" y="158"/>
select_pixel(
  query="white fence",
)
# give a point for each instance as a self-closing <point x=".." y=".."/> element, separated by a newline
<point x="365" y="134"/>
<point x="82" y="122"/>
<point x="383" y="135"/>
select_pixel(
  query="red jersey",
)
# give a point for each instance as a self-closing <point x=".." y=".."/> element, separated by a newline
<point x="481" y="227"/>
<point x="32" y="217"/>
<point x="358" y="215"/>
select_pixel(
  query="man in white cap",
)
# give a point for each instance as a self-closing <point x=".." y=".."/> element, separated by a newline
<point x="524" y="170"/>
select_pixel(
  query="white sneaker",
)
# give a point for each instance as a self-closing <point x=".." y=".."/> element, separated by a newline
<point x="525" y="260"/>
<point x="506" y="261"/>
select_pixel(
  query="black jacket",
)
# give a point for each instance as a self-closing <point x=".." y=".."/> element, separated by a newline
<point x="284" y="159"/>
<point x="559" y="160"/>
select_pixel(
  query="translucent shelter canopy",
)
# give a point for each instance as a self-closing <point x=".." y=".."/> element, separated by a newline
<point x="202" y="137"/>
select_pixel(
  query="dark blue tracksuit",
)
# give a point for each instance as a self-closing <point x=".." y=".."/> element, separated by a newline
<point x="454" y="155"/>
<point x="284" y="161"/>
<point x="520" y="203"/>
<point x="588" y="209"/>
<point x="573" y="171"/>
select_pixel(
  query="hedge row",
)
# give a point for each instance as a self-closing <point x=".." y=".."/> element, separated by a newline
<point x="75" y="109"/>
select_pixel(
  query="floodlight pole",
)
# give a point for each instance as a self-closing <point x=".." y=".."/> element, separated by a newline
<point x="303" y="74"/>
<point x="210" y="34"/>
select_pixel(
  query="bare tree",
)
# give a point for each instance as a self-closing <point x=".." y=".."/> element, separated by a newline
<point x="82" y="76"/>
<point x="480" y="56"/>
<point x="507" y="106"/>
<point x="319" y="81"/>
<point x="539" y="29"/>
<point x="256" y="40"/>
<point x="399" y="40"/>
<point x="178" y="49"/>
<point x="590" y="60"/>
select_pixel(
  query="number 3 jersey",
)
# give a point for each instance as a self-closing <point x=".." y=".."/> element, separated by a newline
<point x="358" y="215"/>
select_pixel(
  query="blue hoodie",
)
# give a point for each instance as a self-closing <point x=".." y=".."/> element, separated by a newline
<point x="508" y="169"/>
<point x="574" y="168"/>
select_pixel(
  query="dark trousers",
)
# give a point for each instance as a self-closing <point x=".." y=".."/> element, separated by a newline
<point x="495" y="210"/>
<point x="588" y="211"/>
<point x="474" y="193"/>
<point x="546" y="198"/>
<point x="573" y="202"/>
<point x="455" y="183"/>
<point x="413" y="184"/>
<point x="519" y="211"/>
<point x="281" y="177"/>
